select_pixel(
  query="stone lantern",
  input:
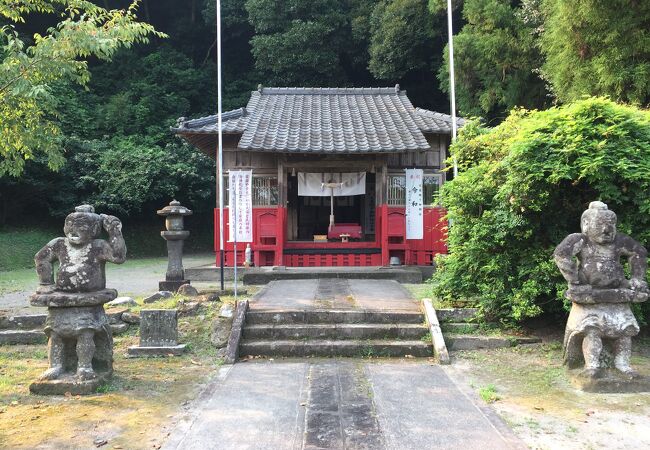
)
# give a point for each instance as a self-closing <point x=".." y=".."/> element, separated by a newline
<point x="174" y="235"/>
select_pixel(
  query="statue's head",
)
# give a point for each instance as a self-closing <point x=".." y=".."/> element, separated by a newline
<point x="599" y="223"/>
<point x="83" y="225"/>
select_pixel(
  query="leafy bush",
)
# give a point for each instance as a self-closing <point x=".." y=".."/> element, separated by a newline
<point x="522" y="188"/>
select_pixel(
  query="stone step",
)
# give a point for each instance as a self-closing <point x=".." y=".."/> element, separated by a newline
<point x="473" y="342"/>
<point x="401" y="275"/>
<point x="350" y="348"/>
<point x="15" y="337"/>
<point x="336" y="331"/>
<point x="329" y="316"/>
<point x="456" y="314"/>
<point x="24" y="322"/>
<point x="458" y="327"/>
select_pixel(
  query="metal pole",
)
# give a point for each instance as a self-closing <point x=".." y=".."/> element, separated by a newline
<point x="220" y="147"/>
<point x="452" y="81"/>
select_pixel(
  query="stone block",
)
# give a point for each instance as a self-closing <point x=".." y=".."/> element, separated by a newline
<point x="171" y="285"/>
<point x="175" y="350"/>
<point x="131" y="318"/>
<point x="122" y="301"/>
<point x="158" y="327"/>
<point x="24" y="322"/>
<point x="119" y="328"/>
<point x="14" y="337"/>
<point x="609" y="381"/>
<point x="68" y="384"/>
<point x="221" y="327"/>
<point x="187" y="290"/>
<point x="158" y="296"/>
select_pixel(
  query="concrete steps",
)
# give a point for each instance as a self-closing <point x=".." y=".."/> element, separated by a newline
<point x="330" y="316"/>
<point x="16" y="337"/>
<point x="460" y="332"/>
<point x="338" y="331"/>
<point x="26" y="329"/>
<point x="350" y="348"/>
<point x="324" y="333"/>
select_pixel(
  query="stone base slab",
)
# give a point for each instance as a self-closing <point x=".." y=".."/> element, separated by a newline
<point x="137" y="351"/>
<point x="69" y="383"/>
<point x="60" y="299"/>
<point x="595" y="296"/>
<point x="171" y="286"/>
<point x="611" y="382"/>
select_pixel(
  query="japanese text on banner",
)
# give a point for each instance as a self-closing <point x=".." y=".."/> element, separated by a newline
<point x="241" y="205"/>
<point x="414" y="209"/>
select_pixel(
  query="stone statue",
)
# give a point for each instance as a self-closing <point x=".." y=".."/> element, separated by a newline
<point x="600" y="293"/>
<point x="80" y="346"/>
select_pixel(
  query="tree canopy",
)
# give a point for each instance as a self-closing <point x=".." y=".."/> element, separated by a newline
<point x="594" y="47"/>
<point x="31" y="69"/>
<point x="109" y="89"/>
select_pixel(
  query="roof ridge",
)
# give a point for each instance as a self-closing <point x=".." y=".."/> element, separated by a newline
<point x="395" y="90"/>
<point x="184" y="123"/>
<point x="437" y="115"/>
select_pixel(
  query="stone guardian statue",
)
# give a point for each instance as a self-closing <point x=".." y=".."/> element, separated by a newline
<point x="80" y="342"/>
<point x="601" y="295"/>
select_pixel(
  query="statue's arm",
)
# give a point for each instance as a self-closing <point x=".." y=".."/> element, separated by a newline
<point x="115" y="249"/>
<point x="43" y="261"/>
<point x="564" y="256"/>
<point x="637" y="256"/>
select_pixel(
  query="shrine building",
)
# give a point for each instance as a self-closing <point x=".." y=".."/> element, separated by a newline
<point x="307" y="147"/>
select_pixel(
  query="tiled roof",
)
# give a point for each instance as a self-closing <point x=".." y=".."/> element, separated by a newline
<point x="326" y="120"/>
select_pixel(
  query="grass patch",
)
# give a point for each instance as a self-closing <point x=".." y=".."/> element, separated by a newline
<point x="489" y="393"/>
<point x="19" y="245"/>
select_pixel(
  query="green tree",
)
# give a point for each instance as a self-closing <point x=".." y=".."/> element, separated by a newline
<point x="31" y="71"/>
<point x="596" y="47"/>
<point x="299" y="42"/>
<point x="522" y="189"/>
<point x="496" y="56"/>
<point x="403" y="38"/>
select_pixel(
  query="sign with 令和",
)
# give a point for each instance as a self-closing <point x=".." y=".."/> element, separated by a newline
<point x="414" y="208"/>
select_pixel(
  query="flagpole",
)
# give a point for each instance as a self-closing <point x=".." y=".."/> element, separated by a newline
<point x="220" y="146"/>
<point x="452" y="82"/>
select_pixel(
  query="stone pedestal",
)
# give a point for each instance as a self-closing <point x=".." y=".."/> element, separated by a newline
<point x="610" y="381"/>
<point x="158" y="334"/>
<point x="69" y="314"/>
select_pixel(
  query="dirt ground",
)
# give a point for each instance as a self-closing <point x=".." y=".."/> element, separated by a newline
<point x="136" y="410"/>
<point x="529" y="388"/>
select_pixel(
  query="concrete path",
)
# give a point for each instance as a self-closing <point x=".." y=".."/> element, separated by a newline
<point x="339" y="404"/>
<point x="334" y="293"/>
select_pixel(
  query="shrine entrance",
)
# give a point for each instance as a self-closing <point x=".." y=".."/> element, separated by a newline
<point x="309" y="215"/>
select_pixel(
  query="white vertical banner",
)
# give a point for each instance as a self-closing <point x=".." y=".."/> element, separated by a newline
<point x="240" y="204"/>
<point x="414" y="210"/>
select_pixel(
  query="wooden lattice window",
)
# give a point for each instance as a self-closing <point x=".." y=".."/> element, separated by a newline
<point x="264" y="190"/>
<point x="397" y="189"/>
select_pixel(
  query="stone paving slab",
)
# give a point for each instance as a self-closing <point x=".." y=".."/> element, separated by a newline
<point x="257" y="406"/>
<point x="339" y="404"/>
<point x="339" y="294"/>
<point x="419" y="406"/>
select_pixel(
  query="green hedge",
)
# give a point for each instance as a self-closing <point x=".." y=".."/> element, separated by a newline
<point x="521" y="190"/>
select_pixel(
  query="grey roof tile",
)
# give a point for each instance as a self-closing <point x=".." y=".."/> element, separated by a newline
<point x="324" y="120"/>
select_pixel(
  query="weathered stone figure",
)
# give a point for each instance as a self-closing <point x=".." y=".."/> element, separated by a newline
<point x="600" y="294"/>
<point x="80" y="346"/>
